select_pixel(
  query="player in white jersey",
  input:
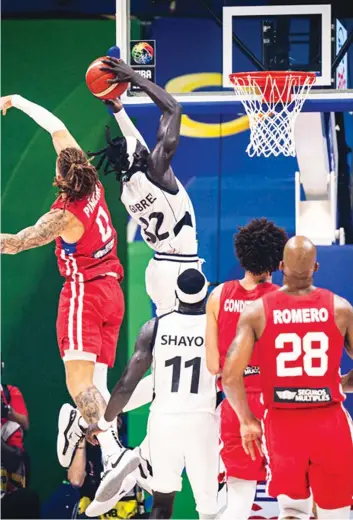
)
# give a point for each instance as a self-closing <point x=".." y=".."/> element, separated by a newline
<point x="182" y="426"/>
<point x="154" y="198"/>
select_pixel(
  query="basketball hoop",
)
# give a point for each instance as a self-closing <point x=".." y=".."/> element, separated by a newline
<point x="272" y="100"/>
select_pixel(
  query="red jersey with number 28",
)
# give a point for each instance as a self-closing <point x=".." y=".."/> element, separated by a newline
<point x="233" y="300"/>
<point x="300" y="351"/>
<point x="95" y="254"/>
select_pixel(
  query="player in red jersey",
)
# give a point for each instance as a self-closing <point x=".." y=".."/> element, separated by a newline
<point x="91" y="304"/>
<point x="259" y="248"/>
<point x="300" y="331"/>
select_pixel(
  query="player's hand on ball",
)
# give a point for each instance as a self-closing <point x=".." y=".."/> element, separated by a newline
<point x="5" y="104"/>
<point x="251" y="434"/>
<point x="115" y="104"/>
<point x="123" y="73"/>
<point x="92" y="432"/>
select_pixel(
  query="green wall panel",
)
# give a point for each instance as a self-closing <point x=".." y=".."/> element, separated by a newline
<point x="45" y="61"/>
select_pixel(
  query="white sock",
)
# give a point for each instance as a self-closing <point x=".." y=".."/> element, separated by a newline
<point x="240" y="498"/>
<point x="109" y="442"/>
<point x="100" y="380"/>
<point x="298" y="508"/>
<point x="343" y="513"/>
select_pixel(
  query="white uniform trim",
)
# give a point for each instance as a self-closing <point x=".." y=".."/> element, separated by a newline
<point x="77" y="292"/>
<point x="77" y="355"/>
<point x="266" y="454"/>
<point x="72" y="307"/>
<point x="170" y="257"/>
<point x="81" y="287"/>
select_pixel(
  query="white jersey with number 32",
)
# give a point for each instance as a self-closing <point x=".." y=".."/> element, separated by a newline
<point x="182" y="382"/>
<point x="167" y="219"/>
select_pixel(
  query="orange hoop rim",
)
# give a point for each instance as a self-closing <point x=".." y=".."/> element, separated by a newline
<point x="266" y="81"/>
<point x="279" y="76"/>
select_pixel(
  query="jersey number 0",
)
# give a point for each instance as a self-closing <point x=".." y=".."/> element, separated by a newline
<point x="102" y="221"/>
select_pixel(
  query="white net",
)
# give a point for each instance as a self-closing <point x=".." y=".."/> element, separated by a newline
<point x="272" y="104"/>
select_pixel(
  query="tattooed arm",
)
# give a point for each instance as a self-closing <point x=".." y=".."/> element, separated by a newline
<point x="47" y="229"/>
<point x="138" y="364"/>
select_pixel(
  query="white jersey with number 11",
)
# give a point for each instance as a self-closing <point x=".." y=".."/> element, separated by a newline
<point x="182" y="382"/>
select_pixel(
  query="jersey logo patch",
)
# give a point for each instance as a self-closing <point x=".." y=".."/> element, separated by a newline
<point x="104" y="250"/>
<point x="251" y="371"/>
<point x="302" y="395"/>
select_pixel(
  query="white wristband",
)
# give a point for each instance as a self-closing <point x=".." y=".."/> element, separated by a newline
<point x="127" y="127"/>
<point x="40" y="115"/>
<point x="103" y="424"/>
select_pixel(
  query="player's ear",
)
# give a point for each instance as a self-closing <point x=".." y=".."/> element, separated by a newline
<point x="281" y="266"/>
<point x="316" y="267"/>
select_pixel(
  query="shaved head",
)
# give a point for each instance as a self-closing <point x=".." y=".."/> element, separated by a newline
<point x="299" y="261"/>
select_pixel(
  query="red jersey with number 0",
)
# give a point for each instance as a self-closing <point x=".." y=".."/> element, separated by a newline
<point x="233" y="300"/>
<point x="300" y="351"/>
<point x="95" y="254"/>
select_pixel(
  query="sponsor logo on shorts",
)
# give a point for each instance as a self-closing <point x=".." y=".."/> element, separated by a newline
<point x="104" y="250"/>
<point x="302" y="395"/>
<point x="252" y="371"/>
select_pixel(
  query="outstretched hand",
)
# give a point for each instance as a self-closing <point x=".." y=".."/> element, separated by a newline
<point x="122" y="72"/>
<point x="92" y="432"/>
<point x="5" y="104"/>
<point x="251" y="434"/>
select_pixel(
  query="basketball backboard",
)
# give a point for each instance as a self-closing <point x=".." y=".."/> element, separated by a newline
<point x="196" y="45"/>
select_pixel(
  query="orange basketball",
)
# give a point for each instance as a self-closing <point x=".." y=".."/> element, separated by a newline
<point x="97" y="82"/>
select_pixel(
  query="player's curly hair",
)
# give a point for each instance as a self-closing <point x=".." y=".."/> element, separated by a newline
<point x="79" y="176"/>
<point x="116" y="158"/>
<point x="259" y="246"/>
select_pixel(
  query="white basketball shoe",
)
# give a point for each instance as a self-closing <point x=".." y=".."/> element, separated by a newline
<point x="116" y="467"/>
<point x="69" y="434"/>
<point x="97" y="508"/>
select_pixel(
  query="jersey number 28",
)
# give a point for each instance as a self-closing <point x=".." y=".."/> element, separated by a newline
<point x="300" y="346"/>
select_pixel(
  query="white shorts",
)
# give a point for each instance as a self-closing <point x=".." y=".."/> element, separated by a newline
<point x="161" y="276"/>
<point x="190" y="441"/>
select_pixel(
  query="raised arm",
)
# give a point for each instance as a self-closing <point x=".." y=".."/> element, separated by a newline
<point x="137" y="366"/>
<point x="212" y="351"/>
<point x="48" y="228"/>
<point x="61" y="136"/>
<point x="161" y="156"/>
<point x="127" y="127"/>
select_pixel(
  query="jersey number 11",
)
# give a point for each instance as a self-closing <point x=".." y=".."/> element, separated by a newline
<point x="195" y="363"/>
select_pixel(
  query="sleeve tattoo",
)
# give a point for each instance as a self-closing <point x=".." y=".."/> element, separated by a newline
<point x="46" y="229"/>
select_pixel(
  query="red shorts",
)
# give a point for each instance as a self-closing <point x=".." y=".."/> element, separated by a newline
<point x="89" y="319"/>
<point x="237" y="463"/>
<point x="310" y="448"/>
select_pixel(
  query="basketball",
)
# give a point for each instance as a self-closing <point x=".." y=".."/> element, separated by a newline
<point x="97" y="82"/>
